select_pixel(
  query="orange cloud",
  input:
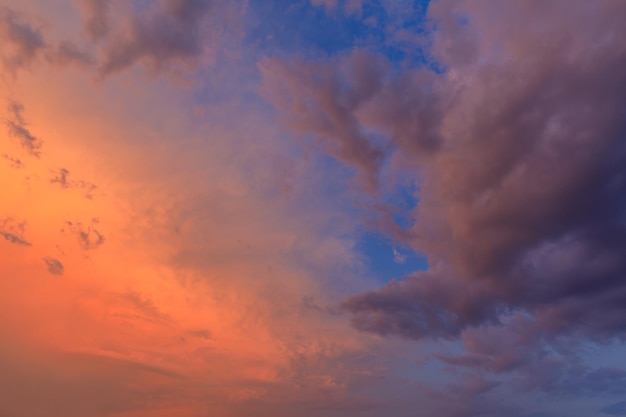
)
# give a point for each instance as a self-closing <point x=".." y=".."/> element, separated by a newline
<point x="181" y="281"/>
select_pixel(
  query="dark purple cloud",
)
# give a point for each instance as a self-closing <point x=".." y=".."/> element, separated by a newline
<point x="520" y="150"/>
<point x="524" y="199"/>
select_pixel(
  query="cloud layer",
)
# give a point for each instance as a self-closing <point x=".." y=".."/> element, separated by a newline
<point x="188" y="195"/>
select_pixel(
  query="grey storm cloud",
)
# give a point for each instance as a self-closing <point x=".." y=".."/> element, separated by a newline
<point x="520" y="150"/>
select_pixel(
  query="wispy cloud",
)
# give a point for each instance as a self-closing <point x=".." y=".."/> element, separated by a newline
<point x="17" y="128"/>
<point x="61" y="178"/>
<point x="15" y="162"/>
<point x="55" y="267"/>
<point x="87" y="234"/>
<point x="13" y="231"/>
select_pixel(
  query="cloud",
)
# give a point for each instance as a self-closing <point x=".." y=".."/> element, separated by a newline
<point x="21" y="42"/>
<point x="320" y="99"/>
<point x="55" y="267"/>
<point x="88" y="236"/>
<point x="474" y="386"/>
<point x="424" y="305"/>
<point x="201" y="333"/>
<point x="398" y="257"/>
<point x="61" y="177"/>
<point x="16" y="125"/>
<point x="227" y="233"/>
<point x="519" y="149"/>
<point x="13" y="238"/>
<point x="353" y="7"/>
<point x="14" y="162"/>
<point x="170" y="33"/>
<point x="13" y="231"/>
<point x="166" y="36"/>
<point x="79" y="383"/>
<point x="227" y="248"/>
<point x="521" y="182"/>
<point x="96" y="17"/>
<point x="68" y="53"/>
<point x="329" y="5"/>
<point x="143" y="304"/>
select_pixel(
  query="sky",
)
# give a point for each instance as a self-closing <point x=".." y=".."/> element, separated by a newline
<point x="338" y="208"/>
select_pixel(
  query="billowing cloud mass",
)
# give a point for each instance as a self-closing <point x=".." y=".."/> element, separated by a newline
<point x="521" y="205"/>
<point x="313" y="208"/>
<point x="520" y="147"/>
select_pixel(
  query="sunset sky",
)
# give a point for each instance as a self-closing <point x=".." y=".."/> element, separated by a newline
<point x="312" y="208"/>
